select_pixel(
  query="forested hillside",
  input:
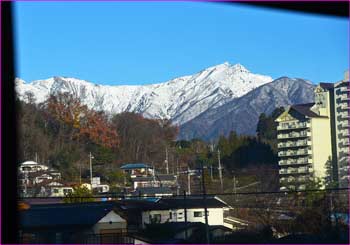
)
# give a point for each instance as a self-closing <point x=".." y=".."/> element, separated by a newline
<point x="61" y="132"/>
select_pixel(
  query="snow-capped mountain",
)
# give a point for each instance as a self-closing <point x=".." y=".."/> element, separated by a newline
<point x="181" y="99"/>
<point x="242" y="114"/>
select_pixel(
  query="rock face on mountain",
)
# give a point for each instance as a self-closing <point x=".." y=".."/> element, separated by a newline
<point x="241" y="114"/>
<point x="209" y="103"/>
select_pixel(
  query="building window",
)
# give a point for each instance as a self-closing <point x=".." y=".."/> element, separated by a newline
<point x="170" y="215"/>
<point x="155" y="218"/>
<point x="198" y="214"/>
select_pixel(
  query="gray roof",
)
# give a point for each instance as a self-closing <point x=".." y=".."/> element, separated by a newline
<point x="129" y="166"/>
<point x="327" y="85"/>
<point x="164" y="177"/>
<point x="305" y="109"/>
<point x="153" y="190"/>
<point x="166" y="203"/>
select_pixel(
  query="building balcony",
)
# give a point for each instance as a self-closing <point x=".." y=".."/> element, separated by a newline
<point x="294" y="125"/>
<point x="302" y="170"/>
<point x="344" y="142"/>
<point x="343" y="116"/>
<point x="345" y="89"/>
<point x="344" y="106"/>
<point x="299" y="143"/>
<point x="291" y="135"/>
<point x="344" y="133"/>
<point x="345" y="97"/>
<point x="344" y="124"/>
<point x="293" y="162"/>
<point x="294" y="153"/>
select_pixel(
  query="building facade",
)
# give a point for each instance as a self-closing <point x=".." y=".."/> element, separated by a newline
<point x="313" y="139"/>
<point x="303" y="151"/>
<point x="342" y="130"/>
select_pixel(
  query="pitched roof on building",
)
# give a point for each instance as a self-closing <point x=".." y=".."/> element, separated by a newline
<point x="129" y="166"/>
<point x="164" y="177"/>
<point x="327" y="85"/>
<point x="305" y="109"/>
<point x="153" y="190"/>
<point x="59" y="214"/>
<point x="165" y="203"/>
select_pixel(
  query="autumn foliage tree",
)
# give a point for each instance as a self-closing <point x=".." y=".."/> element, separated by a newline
<point x="81" y="121"/>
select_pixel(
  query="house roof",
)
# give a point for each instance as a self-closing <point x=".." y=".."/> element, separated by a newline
<point x="29" y="163"/>
<point x="62" y="214"/>
<point x="327" y="85"/>
<point x="305" y="109"/>
<point x="129" y="166"/>
<point x="164" y="177"/>
<point x="153" y="190"/>
<point x="166" y="203"/>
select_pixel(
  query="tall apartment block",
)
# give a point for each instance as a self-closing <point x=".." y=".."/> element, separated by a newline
<point x="341" y="131"/>
<point x="310" y="135"/>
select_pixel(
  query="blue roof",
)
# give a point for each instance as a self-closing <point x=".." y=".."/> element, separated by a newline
<point x="55" y="215"/>
<point x="128" y="166"/>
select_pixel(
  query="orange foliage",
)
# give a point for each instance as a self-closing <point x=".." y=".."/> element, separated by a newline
<point x="69" y="110"/>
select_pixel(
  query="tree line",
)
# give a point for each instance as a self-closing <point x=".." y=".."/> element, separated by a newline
<point x="61" y="132"/>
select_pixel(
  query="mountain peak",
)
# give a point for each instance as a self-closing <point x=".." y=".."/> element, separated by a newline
<point x="238" y="67"/>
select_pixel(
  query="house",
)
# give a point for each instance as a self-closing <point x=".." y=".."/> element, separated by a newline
<point x="143" y="211"/>
<point x="93" y="222"/>
<point x="31" y="166"/>
<point x="60" y="191"/>
<point x="137" y="169"/>
<point x="178" y="232"/>
<point x="163" y="180"/>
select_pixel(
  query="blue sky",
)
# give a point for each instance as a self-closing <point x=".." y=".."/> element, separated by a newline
<point x="138" y="43"/>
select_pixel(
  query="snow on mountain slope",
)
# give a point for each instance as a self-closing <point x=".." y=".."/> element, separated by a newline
<point x="180" y="99"/>
<point x="242" y="114"/>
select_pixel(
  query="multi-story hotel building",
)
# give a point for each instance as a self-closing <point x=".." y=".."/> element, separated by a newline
<point x="341" y="128"/>
<point x="302" y="150"/>
<point x="310" y="135"/>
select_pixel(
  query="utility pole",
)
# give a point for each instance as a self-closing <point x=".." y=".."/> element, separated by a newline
<point x="91" y="157"/>
<point x="185" y="210"/>
<point x="80" y="173"/>
<point x="205" y="206"/>
<point x="166" y="160"/>
<point x="36" y="157"/>
<point x="220" y="172"/>
<point x="189" y="180"/>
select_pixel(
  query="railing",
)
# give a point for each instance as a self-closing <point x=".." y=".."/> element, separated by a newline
<point x="299" y="143"/>
<point x="345" y="89"/>
<point x="293" y="153"/>
<point x="344" y="115"/>
<point x="291" y="162"/>
<point x="345" y="96"/>
<point x="294" y="135"/>
<point x="294" y="171"/>
<point x="286" y="126"/>
<point x="345" y="106"/>
<point x="344" y="124"/>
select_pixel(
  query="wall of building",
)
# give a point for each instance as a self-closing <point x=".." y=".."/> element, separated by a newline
<point x="111" y="223"/>
<point x="215" y="217"/>
<point x="321" y="145"/>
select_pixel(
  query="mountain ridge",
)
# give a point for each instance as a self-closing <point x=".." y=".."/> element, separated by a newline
<point x="180" y="99"/>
